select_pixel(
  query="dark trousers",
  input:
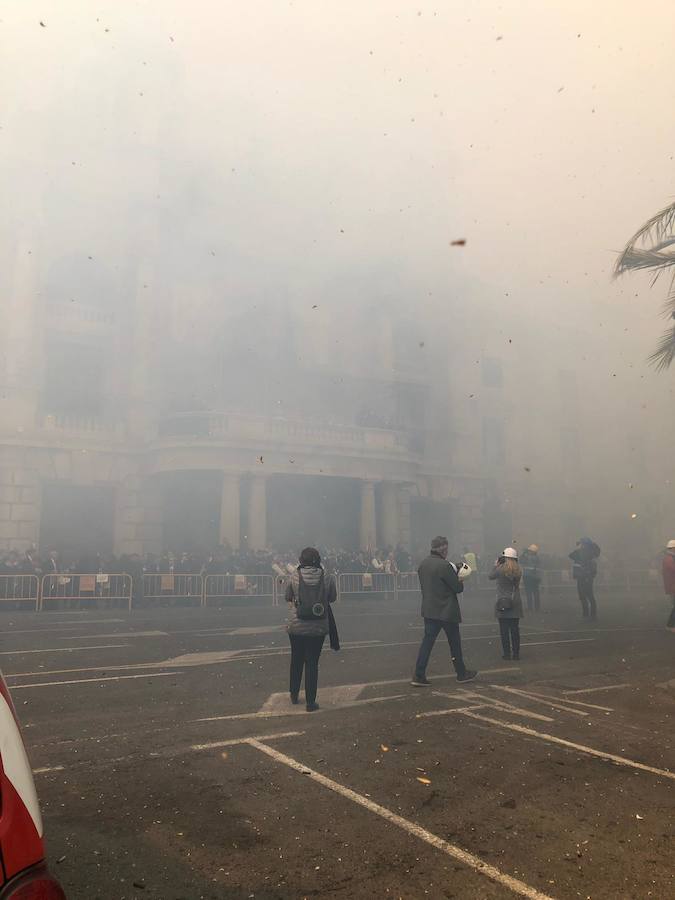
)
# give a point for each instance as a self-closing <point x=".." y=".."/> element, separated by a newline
<point x="586" y="597"/>
<point x="432" y="628"/>
<point x="509" y="631"/>
<point x="305" y="653"/>
<point x="671" y="620"/>
<point x="532" y="594"/>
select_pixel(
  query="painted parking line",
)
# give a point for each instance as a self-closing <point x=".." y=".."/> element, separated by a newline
<point x="537" y="698"/>
<point x="62" y="649"/>
<point x="216" y="745"/>
<point x="117" y="634"/>
<point x="485" y="703"/>
<point x="41" y="684"/>
<point x="411" y="828"/>
<point x="581" y="748"/>
<point x="592" y="690"/>
<point x="46" y="770"/>
<point x="274" y="713"/>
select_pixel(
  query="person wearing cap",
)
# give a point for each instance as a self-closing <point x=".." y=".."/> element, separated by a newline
<point x="668" y="570"/>
<point x="509" y="605"/>
<point x="529" y="562"/>
<point x="309" y="594"/>
<point x="584" y="570"/>
<point x="440" y="584"/>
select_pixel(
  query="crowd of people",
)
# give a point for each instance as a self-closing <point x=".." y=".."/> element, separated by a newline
<point x="221" y="561"/>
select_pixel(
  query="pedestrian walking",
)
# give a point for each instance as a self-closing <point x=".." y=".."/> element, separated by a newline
<point x="509" y="605"/>
<point x="440" y="585"/>
<point x="309" y="594"/>
<point x="529" y="563"/>
<point x="584" y="570"/>
<point x="668" y="570"/>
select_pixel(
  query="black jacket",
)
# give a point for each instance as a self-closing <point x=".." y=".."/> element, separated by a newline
<point x="440" y="586"/>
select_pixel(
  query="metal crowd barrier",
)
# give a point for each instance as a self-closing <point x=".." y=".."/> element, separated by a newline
<point x="280" y="584"/>
<point x="407" y="582"/>
<point x="17" y="591"/>
<point x="225" y="588"/>
<point x="72" y="589"/>
<point x="173" y="590"/>
<point x="366" y="584"/>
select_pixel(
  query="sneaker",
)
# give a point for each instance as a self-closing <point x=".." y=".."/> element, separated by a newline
<point x="469" y="675"/>
<point x="420" y="682"/>
<point x="312" y="707"/>
<point x="294" y="699"/>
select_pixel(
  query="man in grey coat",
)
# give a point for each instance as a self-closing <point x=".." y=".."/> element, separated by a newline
<point x="440" y="586"/>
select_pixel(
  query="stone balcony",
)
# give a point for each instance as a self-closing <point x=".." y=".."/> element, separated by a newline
<point x="236" y="428"/>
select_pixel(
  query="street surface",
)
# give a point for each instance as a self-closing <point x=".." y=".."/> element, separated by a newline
<point x="170" y="764"/>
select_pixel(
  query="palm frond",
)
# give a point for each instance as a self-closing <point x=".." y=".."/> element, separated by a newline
<point x="634" y="258"/>
<point x="655" y="235"/>
<point x="664" y="355"/>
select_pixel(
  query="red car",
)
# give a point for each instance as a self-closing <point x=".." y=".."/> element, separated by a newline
<point x="23" y="870"/>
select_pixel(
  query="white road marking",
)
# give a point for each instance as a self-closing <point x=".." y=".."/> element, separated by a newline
<point x="258" y="737"/>
<point x="47" y="769"/>
<point x="299" y="709"/>
<point x="118" y="634"/>
<point x="40" y="684"/>
<point x="444" y="677"/>
<point x="62" y="649"/>
<point x="592" y="690"/>
<point x="563" y="700"/>
<point x="548" y="701"/>
<point x="601" y="754"/>
<point x="491" y="702"/>
<point x="64" y="626"/>
<point x="468" y="859"/>
<point x="546" y="643"/>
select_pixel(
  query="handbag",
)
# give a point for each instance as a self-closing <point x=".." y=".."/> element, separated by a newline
<point x="504" y="605"/>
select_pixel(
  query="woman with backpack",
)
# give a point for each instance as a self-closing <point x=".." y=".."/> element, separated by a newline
<point x="509" y="606"/>
<point x="309" y="594"/>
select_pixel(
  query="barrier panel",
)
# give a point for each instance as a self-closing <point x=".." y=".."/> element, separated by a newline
<point x="280" y="584"/>
<point x="70" y="590"/>
<point x="226" y="588"/>
<point x="366" y="584"/>
<point x="173" y="590"/>
<point x="407" y="582"/>
<point x="19" y="591"/>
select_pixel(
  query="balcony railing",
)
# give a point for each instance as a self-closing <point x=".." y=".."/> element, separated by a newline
<point x="237" y="427"/>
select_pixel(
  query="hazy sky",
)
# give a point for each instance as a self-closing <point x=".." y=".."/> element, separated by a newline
<point x="307" y="140"/>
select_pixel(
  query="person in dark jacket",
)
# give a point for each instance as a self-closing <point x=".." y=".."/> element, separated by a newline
<point x="440" y="586"/>
<point x="668" y="570"/>
<point x="584" y="570"/>
<point x="308" y="594"/>
<point x="509" y="605"/>
<point x="529" y="562"/>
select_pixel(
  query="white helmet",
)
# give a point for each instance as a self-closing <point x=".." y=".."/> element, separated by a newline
<point x="510" y="553"/>
<point x="670" y="545"/>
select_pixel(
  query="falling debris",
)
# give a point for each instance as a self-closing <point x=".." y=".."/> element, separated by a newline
<point x="633" y="515"/>
<point x="423" y="780"/>
<point x="421" y="343"/>
<point x="527" y="468"/>
<point x="43" y="24"/>
<point x="260" y="459"/>
<point x="460" y="242"/>
<point x="384" y="749"/>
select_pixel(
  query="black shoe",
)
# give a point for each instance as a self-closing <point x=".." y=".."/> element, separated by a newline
<point x="312" y="707"/>
<point x="420" y="681"/>
<point x="294" y="699"/>
<point x="507" y="656"/>
<point x="469" y="675"/>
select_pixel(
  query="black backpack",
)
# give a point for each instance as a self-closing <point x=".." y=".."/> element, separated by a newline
<point x="311" y="601"/>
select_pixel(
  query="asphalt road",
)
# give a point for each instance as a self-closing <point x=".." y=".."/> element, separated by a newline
<point x="170" y="764"/>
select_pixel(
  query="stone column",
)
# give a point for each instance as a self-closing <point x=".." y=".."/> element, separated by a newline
<point x="229" y="512"/>
<point x="368" y="530"/>
<point x="389" y="518"/>
<point x="20" y="508"/>
<point x="405" y="535"/>
<point x="257" y="514"/>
